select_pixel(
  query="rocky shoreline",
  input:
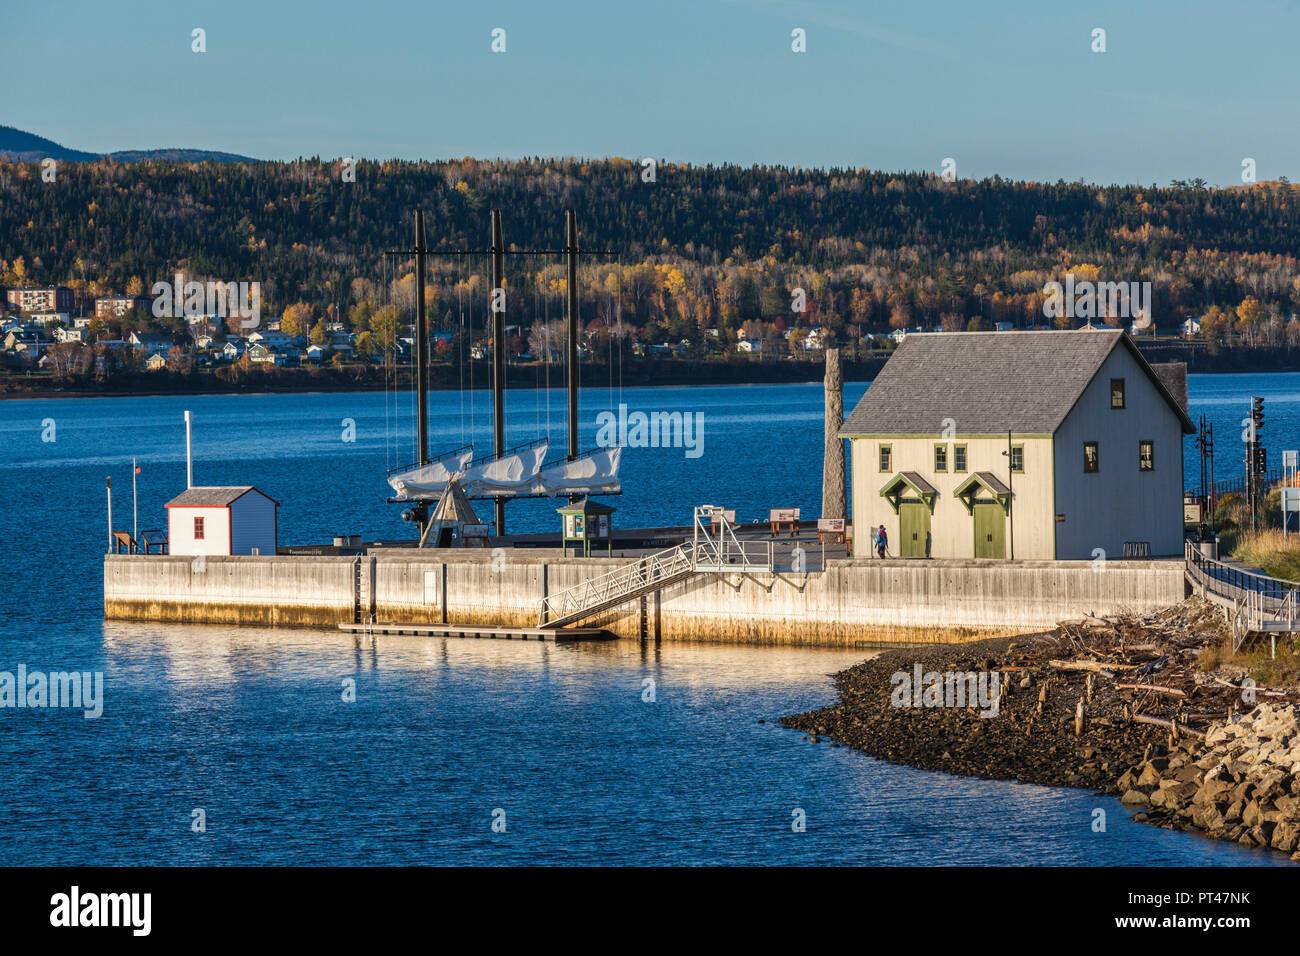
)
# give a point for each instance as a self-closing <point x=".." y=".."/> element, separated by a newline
<point x="1120" y="706"/>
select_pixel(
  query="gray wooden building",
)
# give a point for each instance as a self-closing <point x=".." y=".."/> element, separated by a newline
<point x="1053" y="444"/>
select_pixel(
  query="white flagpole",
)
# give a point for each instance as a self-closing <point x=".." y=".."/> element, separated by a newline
<point x="189" y="452"/>
<point x="108" y="482"/>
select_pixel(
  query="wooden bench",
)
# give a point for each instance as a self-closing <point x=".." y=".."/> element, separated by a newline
<point x="777" y="517"/>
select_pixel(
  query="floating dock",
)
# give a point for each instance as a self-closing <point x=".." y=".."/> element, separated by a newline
<point x="559" y="634"/>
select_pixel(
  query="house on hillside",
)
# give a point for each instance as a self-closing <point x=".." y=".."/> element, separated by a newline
<point x="1026" y="445"/>
<point x="262" y="354"/>
<point x="151" y="343"/>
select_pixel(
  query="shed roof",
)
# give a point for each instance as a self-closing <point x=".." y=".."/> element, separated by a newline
<point x="989" y="382"/>
<point x="212" y="496"/>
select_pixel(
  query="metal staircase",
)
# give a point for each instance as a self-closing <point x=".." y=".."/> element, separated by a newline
<point x="714" y="548"/>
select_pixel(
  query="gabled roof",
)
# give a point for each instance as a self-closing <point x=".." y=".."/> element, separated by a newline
<point x="987" y="383"/>
<point x="212" y="496"/>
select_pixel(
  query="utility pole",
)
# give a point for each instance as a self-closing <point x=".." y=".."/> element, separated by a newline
<point x="1256" y="465"/>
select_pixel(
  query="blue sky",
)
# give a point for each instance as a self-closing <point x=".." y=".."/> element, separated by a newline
<point x="1183" y="90"/>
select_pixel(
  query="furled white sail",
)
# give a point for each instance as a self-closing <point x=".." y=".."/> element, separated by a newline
<point x="429" y="480"/>
<point x="504" y="477"/>
<point x="593" y="474"/>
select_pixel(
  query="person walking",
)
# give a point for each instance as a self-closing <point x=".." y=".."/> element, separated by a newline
<point x="882" y="541"/>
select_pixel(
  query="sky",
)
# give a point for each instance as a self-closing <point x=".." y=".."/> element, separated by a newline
<point x="1007" y="87"/>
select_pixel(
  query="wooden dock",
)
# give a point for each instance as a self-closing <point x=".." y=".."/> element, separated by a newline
<point x="545" y="633"/>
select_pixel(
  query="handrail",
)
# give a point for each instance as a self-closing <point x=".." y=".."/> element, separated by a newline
<point x="704" y="552"/>
<point x="443" y="456"/>
<point x="1251" y="599"/>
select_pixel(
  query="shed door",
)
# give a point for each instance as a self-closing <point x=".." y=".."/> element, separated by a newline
<point x="990" y="530"/>
<point x="914" y="523"/>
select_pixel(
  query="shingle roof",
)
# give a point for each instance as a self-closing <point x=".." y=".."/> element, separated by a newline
<point x="986" y="382"/>
<point x="1174" y="377"/>
<point x="210" y="496"/>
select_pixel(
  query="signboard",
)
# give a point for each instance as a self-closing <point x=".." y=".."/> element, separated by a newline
<point x="830" y="524"/>
<point x="1191" y="512"/>
<point x="476" y="531"/>
<point x="783" y="514"/>
<point x="1290" y="510"/>
<point x="1290" y="459"/>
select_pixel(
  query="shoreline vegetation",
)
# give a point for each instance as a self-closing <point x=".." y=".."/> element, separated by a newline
<point x="1151" y="710"/>
<point x="594" y="375"/>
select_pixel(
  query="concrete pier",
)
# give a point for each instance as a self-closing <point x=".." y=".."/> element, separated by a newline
<point x="852" y="602"/>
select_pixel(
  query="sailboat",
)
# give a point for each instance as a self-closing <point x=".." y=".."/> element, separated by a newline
<point x="519" y="472"/>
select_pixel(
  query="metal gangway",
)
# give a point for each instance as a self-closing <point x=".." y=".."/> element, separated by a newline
<point x="714" y="548"/>
<point x="1252" y="602"/>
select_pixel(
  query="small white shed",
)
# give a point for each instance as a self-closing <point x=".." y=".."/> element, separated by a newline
<point x="220" y="519"/>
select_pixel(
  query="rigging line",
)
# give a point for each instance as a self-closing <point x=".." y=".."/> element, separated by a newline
<point x="621" y="343"/>
<point x="546" y="358"/>
<point x="609" y="338"/>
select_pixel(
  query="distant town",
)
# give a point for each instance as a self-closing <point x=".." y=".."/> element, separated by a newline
<point x="51" y="333"/>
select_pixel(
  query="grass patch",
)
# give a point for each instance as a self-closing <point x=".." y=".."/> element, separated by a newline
<point x="1254" y="661"/>
<point x="1278" y="556"/>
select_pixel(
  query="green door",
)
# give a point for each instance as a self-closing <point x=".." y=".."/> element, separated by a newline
<point x="914" y="523"/>
<point x="990" y="530"/>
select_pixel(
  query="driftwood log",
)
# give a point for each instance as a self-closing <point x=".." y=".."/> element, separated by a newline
<point x="1154" y="688"/>
<point x="1164" y="722"/>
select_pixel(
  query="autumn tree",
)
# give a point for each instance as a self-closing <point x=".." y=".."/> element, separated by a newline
<point x="296" y="320"/>
<point x="1250" y="316"/>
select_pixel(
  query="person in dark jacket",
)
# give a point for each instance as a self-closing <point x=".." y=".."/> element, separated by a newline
<point x="882" y="541"/>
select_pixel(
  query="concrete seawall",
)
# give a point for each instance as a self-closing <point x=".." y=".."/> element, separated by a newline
<point x="852" y="602"/>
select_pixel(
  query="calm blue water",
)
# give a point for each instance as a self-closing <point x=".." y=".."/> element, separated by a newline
<point x="249" y="724"/>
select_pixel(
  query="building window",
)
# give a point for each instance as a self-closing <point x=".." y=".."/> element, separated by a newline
<point x="1090" y="460"/>
<point x="1018" y="459"/>
<point x="940" y="457"/>
<point x="1116" y="393"/>
<point x="959" y="458"/>
<point x="198" y="529"/>
<point x="886" y="457"/>
<point x="1146" y="456"/>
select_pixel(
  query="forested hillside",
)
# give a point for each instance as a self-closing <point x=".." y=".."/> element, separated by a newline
<point x="698" y="248"/>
